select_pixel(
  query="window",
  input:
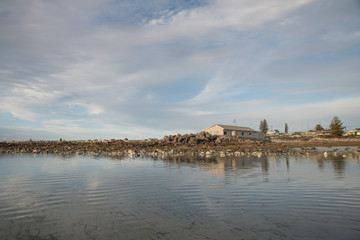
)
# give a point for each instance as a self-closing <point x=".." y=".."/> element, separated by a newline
<point x="242" y="133"/>
<point x="249" y="133"/>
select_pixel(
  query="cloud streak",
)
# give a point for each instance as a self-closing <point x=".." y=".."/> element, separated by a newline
<point x="147" y="68"/>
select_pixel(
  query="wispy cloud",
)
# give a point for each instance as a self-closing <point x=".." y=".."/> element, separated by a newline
<point x="95" y="69"/>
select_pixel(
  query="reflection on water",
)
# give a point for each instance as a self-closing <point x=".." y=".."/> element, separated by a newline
<point x="227" y="164"/>
<point x="185" y="197"/>
<point x="339" y="165"/>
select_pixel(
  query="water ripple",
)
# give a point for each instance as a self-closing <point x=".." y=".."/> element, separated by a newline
<point x="87" y="198"/>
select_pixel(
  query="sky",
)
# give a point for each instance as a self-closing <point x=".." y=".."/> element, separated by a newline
<point x="102" y="69"/>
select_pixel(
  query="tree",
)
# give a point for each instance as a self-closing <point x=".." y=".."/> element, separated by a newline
<point x="266" y="128"/>
<point x="318" y="127"/>
<point x="286" y="128"/>
<point x="336" y="127"/>
<point x="263" y="126"/>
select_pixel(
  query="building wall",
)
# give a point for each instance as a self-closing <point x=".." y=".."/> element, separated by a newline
<point x="259" y="135"/>
<point x="215" y="130"/>
<point x="245" y="134"/>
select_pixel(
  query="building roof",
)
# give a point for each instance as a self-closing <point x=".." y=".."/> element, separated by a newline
<point x="235" y="128"/>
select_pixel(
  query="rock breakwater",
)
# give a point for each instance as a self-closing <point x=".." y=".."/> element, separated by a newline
<point x="202" y="145"/>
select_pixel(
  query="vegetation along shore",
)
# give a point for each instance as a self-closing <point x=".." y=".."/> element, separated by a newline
<point x="201" y="144"/>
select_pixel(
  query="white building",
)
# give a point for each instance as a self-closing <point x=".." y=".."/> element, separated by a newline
<point x="227" y="130"/>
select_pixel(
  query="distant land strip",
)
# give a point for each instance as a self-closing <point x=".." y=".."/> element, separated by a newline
<point x="201" y="144"/>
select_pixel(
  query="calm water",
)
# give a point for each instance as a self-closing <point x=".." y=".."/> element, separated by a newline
<point x="52" y="197"/>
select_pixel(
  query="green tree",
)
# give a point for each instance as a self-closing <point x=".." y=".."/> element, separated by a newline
<point x="336" y="127"/>
<point x="266" y="128"/>
<point x="318" y="127"/>
<point x="286" y="128"/>
<point x="263" y="126"/>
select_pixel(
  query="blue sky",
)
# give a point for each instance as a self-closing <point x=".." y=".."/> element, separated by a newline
<point x="139" y="69"/>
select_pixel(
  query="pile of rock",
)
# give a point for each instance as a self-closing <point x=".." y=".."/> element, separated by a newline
<point x="201" y="144"/>
<point x="191" y="139"/>
<point x="200" y="138"/>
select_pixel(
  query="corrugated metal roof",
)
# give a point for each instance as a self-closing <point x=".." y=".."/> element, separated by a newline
<point x="236" y="128"/>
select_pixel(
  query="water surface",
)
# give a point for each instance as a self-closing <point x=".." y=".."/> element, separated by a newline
<point x="54" y="197"/>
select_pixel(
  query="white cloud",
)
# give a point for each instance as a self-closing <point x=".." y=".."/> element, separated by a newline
<point x="217" y="85"/>
<point x="122" y="65"/>
<point x="239" y="15"/>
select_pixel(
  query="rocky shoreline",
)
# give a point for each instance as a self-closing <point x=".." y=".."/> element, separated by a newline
<point x="202" y="145"/>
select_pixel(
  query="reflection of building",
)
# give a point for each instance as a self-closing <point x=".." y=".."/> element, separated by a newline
<point x="243" y="132"/>
<point x="222" y="166"/>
